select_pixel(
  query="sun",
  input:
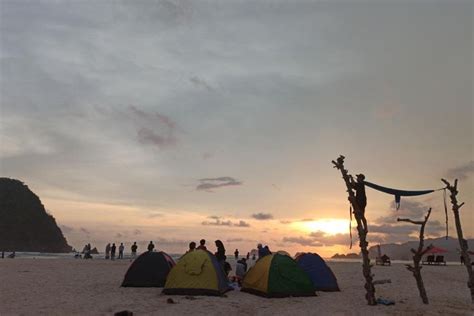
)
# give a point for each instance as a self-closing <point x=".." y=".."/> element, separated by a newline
<point x="329" y="226"/>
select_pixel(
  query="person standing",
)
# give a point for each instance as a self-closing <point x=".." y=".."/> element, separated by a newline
<point x="107" y="251"/>
<point x="112" y="251"/>
<point x="220" y="253"/>
<point x="248" y="255"/>
<point x="236" y="254"/>
<point x="121" y="247"/>
<point x="151" y="246"/>
<point x="134" y="250"/>
<point x="202" y="244"/>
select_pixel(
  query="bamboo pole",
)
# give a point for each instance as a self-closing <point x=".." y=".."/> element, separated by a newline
<point x="417" y="255"/>
<point x="362" y="230"/>
<point x="453" y="189"/>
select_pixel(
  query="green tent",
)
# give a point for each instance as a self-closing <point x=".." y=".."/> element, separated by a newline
<point x="277" y="275"/>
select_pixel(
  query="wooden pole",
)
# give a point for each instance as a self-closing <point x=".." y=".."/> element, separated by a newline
<point x="453" y="189"/>
<point x="362" y="230"/>
<point x="417" y="256"/>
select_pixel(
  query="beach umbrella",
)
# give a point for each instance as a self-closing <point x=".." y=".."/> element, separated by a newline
<point x="436" y="250"/>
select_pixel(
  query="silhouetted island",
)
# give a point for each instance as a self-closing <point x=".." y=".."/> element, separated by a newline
<point x="24" y="223"/>
<point x="348" y="256"/>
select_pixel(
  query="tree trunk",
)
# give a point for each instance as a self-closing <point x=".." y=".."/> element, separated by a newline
<point x="462" y="242"/>
<point x="418" y="255"/>
<point x="360" y="218"/>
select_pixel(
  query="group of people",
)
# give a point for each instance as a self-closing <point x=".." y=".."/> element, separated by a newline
<point x="241" y="265"/>
<point x="110" y="250"/>
<point x="220" y="253"/>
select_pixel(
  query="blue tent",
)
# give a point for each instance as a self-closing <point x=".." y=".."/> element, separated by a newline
<point x="320" y="274"/>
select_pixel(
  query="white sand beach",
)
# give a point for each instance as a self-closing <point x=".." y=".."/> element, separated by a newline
<point x="92" y="287"/>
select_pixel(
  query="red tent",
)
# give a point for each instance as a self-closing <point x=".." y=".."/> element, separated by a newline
<point x="436" y="250"/>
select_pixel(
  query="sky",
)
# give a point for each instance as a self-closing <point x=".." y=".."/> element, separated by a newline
<point x="174" y="121"/>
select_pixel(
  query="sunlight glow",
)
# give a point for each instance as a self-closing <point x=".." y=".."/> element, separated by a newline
<point x="329" y="226"/>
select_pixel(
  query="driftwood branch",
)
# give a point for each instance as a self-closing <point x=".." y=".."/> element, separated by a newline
<point x="417" y="255"/>
<point x="361" y="229"/>
<point x="453" y="189"/>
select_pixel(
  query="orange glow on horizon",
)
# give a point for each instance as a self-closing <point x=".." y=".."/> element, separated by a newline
<point x="329" y="226"/>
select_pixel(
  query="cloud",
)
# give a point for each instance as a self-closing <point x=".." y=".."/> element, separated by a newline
<point x="207" y="184"/>
<point x="154" y="128"/>
<point x="239" y="239"/>
<point x="137" y="232"/>
<point x="285" y="222"/>
<point x="85" y="231"/>
<point x="154" y="214"/>
<point x="242" y="223"/>
<point x="262" y="216"/>
<point x="220" y="222"/>
<point x="408" y="209"/>
<point x="217" y="222"/>
<point x="462" y="172"/>
<point x="199" y="82"/>
<point x="304" y="241"/>
<point x="119" y="235"/>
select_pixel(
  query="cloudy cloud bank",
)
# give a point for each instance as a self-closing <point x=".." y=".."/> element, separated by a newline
<point x="209" y="184"/>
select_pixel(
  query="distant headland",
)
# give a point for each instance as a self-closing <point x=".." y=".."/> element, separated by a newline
<point x="24" y="223"/>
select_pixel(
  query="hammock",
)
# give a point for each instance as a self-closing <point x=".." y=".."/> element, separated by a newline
<point x="398" y="193"/>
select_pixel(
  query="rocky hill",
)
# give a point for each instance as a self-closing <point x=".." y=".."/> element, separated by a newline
<point x="24" y="223"/>
<point x="402" y="251"/>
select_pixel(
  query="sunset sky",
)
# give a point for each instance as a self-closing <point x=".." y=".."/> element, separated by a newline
<point x="174" y="121"/>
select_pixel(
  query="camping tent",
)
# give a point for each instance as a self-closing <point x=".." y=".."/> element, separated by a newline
<point x="197" y="273"/>
<point x="321" y="275"/>
<point x="277" y="275"/>
<point x="148" y="270"/>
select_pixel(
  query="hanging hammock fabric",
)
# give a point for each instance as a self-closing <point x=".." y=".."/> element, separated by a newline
<point x="398" y="193"/>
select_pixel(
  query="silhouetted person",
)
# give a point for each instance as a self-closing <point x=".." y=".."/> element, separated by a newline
<point x="107" y="251"/>
<point x="260" y="250"/>
<point x="12" y="255"/>
<point x="112" y="251"/>
<point x="3" y="254"/>
<point x="220" y="253"/>
<point x="361" y="198"/>
<point x="192" y="246"/>
<point x="236" y="254"/>
<point x="241" y="268"/>
<point x="202" y="244"/>
<point x="121" y="247"/>
<point x="134" y="250"/>
<point x="87" y="252"/>
<point x="248" y="255"/>
<point x="254" y="256"/>
<point x="151" y="246"/>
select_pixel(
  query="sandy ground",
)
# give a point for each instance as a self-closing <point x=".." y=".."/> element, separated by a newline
<point x="92" y="287"/>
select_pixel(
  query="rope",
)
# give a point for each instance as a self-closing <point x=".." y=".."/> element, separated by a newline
<point x="445" y="212"/>
<point x="350" y="225"/>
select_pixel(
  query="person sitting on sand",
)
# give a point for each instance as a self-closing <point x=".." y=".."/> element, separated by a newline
<point x="202" y="244"/>
<point x="192" y="246"/>
<point x="151" y="246"/>
<point x="12" y="255"/>
<point x="240" y="270"/>
<point x="134" y="250"/>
